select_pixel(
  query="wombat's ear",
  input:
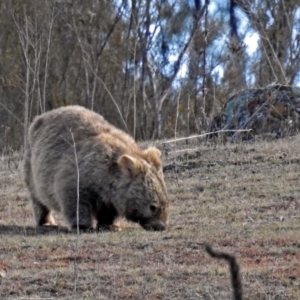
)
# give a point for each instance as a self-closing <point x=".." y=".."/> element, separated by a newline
<point x="154" y="155"/>
<point x="131" y="166"/>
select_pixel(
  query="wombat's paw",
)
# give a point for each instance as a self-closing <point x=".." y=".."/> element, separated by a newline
<point x="116" y="227"/>
<point x="47" y="220"/>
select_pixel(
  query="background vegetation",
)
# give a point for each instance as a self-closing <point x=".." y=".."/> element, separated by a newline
<point x="157" y="69"/>
<point x="152" y="68"/>
<point x="240" y="198"/>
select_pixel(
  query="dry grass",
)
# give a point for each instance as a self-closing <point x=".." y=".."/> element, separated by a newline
<point x="243" y="199"/>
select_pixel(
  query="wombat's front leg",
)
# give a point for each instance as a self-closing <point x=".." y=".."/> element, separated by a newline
<point x="106" y="216"/>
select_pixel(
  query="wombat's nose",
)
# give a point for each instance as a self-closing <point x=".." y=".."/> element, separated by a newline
<point x="155" y="226"/>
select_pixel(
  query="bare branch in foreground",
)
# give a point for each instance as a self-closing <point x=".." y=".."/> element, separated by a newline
<point x="77" y="217"/>
<point x="236" y="281"/>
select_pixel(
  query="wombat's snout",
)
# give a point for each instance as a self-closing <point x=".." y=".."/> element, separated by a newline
<point x="155" y="226"/>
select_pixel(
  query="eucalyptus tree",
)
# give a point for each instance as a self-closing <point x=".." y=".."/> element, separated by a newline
<point x="276" y="23"/>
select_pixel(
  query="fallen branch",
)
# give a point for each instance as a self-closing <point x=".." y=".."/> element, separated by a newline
<point x="236" y="281"/>
<point x="202" y="135"/>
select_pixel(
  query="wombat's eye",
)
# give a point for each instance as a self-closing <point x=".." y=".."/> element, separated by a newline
<point x="153" y="208"/>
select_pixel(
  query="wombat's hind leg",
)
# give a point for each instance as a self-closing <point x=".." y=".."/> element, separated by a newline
<point x="43" y="215"/>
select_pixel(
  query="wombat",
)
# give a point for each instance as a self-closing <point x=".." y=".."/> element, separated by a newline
<point x="74" y="155"/>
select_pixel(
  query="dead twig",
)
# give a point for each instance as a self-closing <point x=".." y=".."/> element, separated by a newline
<point x="201" y="135"/>
<point x="236" y="281"/>
<point x="77" y="217"/>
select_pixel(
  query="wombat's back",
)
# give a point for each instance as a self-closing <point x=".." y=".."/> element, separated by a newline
<point x="65" y="122"/>
<point x="72" y="123"/>
<point x="53" y="135"/>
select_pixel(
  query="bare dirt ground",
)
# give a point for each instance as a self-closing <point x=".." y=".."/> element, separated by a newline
<point x="241" y="198"/>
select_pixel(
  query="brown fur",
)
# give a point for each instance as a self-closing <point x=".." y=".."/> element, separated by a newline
<point x="117" y="178"/>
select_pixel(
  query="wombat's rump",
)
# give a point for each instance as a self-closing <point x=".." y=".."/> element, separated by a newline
<point x="116" y="177"/>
